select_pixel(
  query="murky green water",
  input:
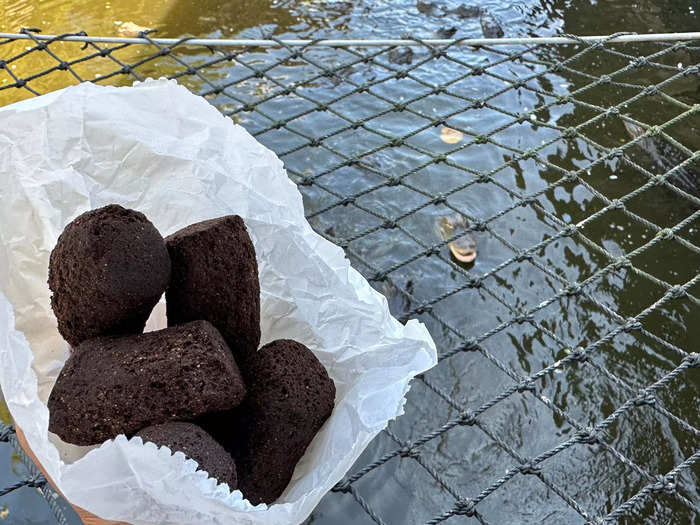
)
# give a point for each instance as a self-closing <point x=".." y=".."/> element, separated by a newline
<point x="401" y="491"/>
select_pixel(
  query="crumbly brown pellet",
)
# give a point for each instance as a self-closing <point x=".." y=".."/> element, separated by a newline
<point x="119" y="385"/>
<point x="108" y="270"/>
<point x="196" y="444"/>
<point x="290" y="396"/>
<point x="215" y="277"/>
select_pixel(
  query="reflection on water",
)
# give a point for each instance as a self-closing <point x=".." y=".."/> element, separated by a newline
<point x="102" y="17"/>
<point x="607" y="17"/>
<point x="4" y="412"/>
<point x="99" y="17"/>
<point x="225" y="19"/>
<point x="465" y="457"/>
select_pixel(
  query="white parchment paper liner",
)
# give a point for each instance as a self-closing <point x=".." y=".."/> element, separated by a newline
<point x="159" y="149"/>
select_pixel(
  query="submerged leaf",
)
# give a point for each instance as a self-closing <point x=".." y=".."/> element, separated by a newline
<point x="451" y="136"/>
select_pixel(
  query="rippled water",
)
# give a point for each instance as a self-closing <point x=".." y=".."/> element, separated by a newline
<point x="401" y="492"/>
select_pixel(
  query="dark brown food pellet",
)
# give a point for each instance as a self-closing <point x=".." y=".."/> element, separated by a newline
<point x="215" y="277"/>
<point x="112" y="385"/>
<point x="228" y="428"/>
<point x="196" y="444"/>
<point x="290" y="396"/>
<point x="108" y="270"/>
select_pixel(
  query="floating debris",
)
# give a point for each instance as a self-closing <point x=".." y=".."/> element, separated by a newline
<point x="451" y="136"/>
<point x="490" y="25"/>
<point x="401" y="55"/>
<point x="433" y="9"/>
<point x="446" y="32"/>
<point x="130" y="29"/>
<point x="467" y="12"/>
<point x="666" y="156"/>
<point x="463" y="248"/>
<point x="429" y="8"/>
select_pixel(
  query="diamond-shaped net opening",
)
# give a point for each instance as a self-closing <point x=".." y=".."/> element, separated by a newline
<point x="536" y="205"/>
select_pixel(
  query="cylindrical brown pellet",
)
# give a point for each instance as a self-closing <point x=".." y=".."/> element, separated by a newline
<point x="196" y="444"/>
<point x="215" y="277"/>
<point x="290" y="396"/>
<point x="111" y="386"/>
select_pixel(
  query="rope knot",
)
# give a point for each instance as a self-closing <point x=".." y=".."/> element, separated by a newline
<point x="572" y="290"/>
<point x="665" y="484"/>
<point x="666" y="233"/>
<point x="342" y="486"/>
<point x="632" y="325"/>
<point x="579" y="355"/>
<point x="465" y="507"/>
<point x="526" y="386"/>
<point x="407" y="452"/>
<point x="693" y="360"/>
<point x="524" y="318"/>
<point x="467" y="418"/>
<point x="470" y="345"/>
<point x="530" y="468"/>
<point x="621" y="262"/>
<point x="676" y="292"/>
<point x="424" y="308"/>
<point x="475" y="282"/>
<point x="589" y="436"/>
<point x="523" y="256"/>
<point x="644" y="399"/>
<point x="379" y="276"/>
<point x="570" y="230"/>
